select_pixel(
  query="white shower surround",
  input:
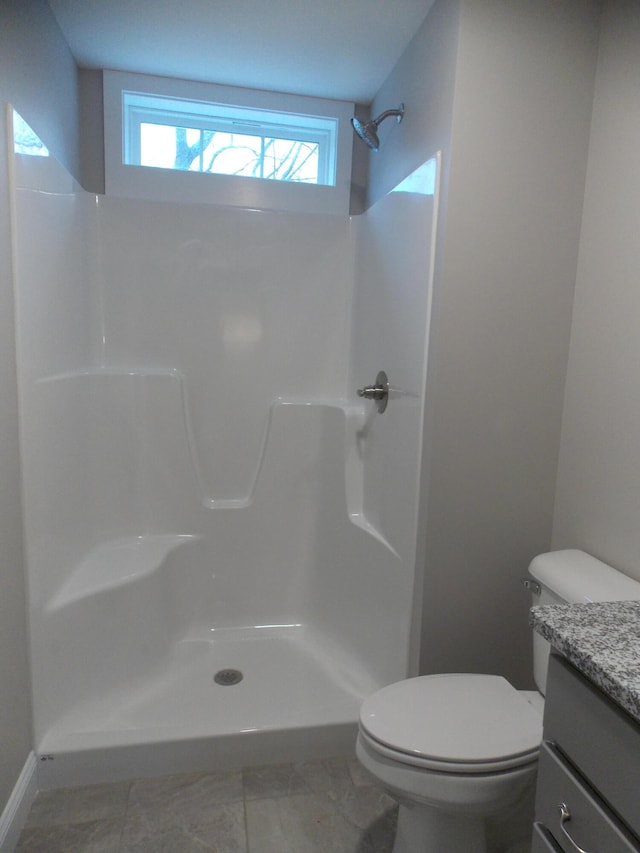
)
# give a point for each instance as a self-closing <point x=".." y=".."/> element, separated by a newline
<point x="202" y="487"/>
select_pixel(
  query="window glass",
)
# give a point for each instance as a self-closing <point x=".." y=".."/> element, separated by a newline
<point x="218" y="152"/>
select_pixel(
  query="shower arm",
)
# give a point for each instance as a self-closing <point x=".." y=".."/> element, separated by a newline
<point x="378" y="121"/>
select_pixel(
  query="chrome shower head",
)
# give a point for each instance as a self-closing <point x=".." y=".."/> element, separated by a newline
<point x="368" y="132"/>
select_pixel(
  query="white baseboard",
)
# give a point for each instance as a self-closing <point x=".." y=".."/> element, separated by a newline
<point x="15" y="813"/>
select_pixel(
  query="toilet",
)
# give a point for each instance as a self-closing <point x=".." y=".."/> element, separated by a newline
<point x="459" y="752"/>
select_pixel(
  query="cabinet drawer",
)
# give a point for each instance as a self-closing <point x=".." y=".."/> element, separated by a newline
<point x="592" y="826"/>
<point x="601" y="739"/>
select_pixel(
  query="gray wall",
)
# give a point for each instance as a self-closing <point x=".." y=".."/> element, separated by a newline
<point x="515" y="160"/>
<point x="424" y="80"/>
<point x="598" y="492"/>
<point x="91" y="130"/>
<point x="38" y="76"/>
<point x="522" y="108"/>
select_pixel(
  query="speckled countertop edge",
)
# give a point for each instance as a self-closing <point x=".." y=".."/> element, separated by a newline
<point x="602" y="640"/>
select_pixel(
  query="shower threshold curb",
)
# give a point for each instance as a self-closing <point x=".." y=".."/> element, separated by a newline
<point x="202" y="754"/>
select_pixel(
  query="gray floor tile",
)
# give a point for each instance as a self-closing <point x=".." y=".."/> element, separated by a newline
<point x="48" y="809"/>
<point x="273" y="780"/>
<point x="98" y="836"/>
<point x="381" y="834"/>
<point x="185" y="799"/>
<point x="326" y="806"/>
<point x="362" y="806"/>
<point x="79" y="805"/>
<point x="303" y="823"/>
<point x="221" y="829"/>
<point x="329" y="775"/>
<point x="97" y="802"/>
<point x="359" y="776"/>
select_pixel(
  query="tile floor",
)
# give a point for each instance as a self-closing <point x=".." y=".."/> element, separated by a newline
<point x="314" y="807"/>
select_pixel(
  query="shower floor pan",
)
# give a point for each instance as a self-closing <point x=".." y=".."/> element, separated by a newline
<point x="298" y="699"/>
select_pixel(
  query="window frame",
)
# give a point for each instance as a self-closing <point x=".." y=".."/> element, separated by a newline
<point x="288" y="111"/>
<point x="141" y="108"/>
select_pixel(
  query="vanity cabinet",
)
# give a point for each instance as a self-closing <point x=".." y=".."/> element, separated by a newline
<point x="588" y="790"/>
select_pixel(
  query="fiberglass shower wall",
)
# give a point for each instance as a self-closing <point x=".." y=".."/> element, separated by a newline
<point x="195" y="456"/>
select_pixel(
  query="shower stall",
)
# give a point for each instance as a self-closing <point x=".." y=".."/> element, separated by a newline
<point x="221" y="535"/>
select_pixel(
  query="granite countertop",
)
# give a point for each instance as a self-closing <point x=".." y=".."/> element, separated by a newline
<point x="602" y="640"/>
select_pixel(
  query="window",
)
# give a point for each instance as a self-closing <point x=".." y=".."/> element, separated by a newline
<point x="235" y="145"/>
<point x="229" y="140"/>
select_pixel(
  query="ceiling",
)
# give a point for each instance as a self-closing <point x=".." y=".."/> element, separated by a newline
<point x="342" y="49"/>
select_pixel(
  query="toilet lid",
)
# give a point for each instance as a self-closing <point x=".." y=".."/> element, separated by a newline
<point x="455" y="719"/>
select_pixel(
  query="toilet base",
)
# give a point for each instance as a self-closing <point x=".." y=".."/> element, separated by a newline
<point x="449" y="813"/>
<point x="422" y="829"/>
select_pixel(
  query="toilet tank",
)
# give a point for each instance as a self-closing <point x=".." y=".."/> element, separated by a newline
<point x="572" y="577"/>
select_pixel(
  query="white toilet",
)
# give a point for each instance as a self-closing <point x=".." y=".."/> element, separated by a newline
<point x="459" y="752"/>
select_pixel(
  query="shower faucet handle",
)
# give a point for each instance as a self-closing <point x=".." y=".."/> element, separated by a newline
<point x="378" y="392"/>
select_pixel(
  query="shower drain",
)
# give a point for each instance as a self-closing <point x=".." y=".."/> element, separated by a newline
<point x="228" y="677"/>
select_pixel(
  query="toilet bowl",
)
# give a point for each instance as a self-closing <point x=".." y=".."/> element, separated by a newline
<point x="453" y="750"/>
<point x="459" y="752"/>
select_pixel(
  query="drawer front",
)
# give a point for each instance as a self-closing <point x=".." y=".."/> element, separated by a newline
<point x="600" y="739"/>
<point x="591" y="826"/>
<point x="542" y="842"/>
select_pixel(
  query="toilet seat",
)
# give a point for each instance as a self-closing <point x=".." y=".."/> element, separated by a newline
<point x="453" y="723"/>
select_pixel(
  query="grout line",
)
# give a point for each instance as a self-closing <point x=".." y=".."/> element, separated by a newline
<point x="246" y="821"/>
<point x="125" y="816"/>
<point x="244" y="811"/>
